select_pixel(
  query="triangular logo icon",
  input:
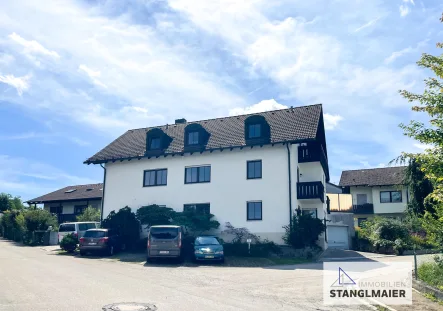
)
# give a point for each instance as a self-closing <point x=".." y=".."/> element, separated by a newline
<point x="344" y="278"/>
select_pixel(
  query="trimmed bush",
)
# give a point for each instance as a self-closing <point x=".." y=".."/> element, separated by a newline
<point x="261" y="249"/>
<point x="69" y="243"/>
<point x="125" y="222"/>
<point x="304" y="232"/>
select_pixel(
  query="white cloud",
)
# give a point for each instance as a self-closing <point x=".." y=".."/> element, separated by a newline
<point x="422" y="146"/>
<point x="6" y="59"/>
<point x="368" y="24"/>
<point x="90" y="72"/>
<point x="264" y="105"/>
<point x="404" y="10"/>
<point x="409" y="1"/>
<point x="21" y="84"/>
<point x="32" y="46"/>
<point x="398" y="54"/>
<point x="331" y="120"/>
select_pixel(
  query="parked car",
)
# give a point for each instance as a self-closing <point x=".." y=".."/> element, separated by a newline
<point x="76" y="228"/>
<point x="100" y="240"/>
<point x="208" y="248"/>
<point x="165" y="242"/>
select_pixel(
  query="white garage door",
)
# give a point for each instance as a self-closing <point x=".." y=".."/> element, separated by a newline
<point x="338" y="237"/>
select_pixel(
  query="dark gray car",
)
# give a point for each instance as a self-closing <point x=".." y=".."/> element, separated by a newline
<point x="100" y="240"/>
<point x="165" y="242"/>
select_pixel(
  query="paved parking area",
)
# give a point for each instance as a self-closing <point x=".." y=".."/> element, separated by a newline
<point x="31" y="279"/>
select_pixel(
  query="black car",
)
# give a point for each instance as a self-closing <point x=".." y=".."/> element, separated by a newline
<point x="100" y="240"/>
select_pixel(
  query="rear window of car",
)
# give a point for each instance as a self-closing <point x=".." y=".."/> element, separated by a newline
<point x="84" y="227"/>
<point x="164" y="233"/>
<point x="66" y="228"/>
<point x="95" y="234"/>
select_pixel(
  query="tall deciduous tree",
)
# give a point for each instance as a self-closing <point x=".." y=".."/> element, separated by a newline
<point x="431" y="161"/>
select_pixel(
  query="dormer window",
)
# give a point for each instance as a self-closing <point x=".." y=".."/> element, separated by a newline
<point x="193" y="138"/>
<point x="257" y="130"/>
<point x="154" y="143"/>
<point x="254" y="130"/>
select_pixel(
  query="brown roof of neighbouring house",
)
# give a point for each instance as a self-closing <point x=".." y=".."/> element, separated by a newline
<point x="286" y="125"/>
<point x="71" y="193"/>
<point x="373" y="177"/>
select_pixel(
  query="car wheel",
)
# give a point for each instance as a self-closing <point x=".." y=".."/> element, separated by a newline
<point x="111" y="250"/>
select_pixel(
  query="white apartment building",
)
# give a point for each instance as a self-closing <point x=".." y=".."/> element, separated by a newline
<point x="253" y="170"/>
<point x="378" y="191"/>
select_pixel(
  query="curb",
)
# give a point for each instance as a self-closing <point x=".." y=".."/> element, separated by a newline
<point x="425" y="288"/>
<point x="353" y="258"/>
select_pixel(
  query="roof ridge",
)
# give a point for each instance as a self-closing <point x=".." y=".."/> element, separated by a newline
<point x="211" y="119"/>
<point x="374" y="168"/>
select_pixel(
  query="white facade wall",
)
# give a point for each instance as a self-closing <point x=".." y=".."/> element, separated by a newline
<point x="228" y="192"/>
<point x="373" y="195"/>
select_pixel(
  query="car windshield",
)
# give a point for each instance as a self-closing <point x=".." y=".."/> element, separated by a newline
<point x="95" y="234"/>
<point x="66" y="228"/>
<point x="164" y="233"/>
<point x="206" y="241"/>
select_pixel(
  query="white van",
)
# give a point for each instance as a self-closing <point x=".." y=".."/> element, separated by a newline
<point x="77" y="228"/>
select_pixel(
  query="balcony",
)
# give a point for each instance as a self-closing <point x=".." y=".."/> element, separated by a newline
<point x="66" y="218"/>
<point x="311" y="190"/>
<point x="313" y="153"/>
<point x="367" y="208"/>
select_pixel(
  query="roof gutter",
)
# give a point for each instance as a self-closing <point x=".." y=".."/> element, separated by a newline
<point x="104" y="187"/>
<point x="290" y="186"/>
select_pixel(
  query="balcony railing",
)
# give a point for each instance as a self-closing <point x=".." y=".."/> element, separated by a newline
<point x="367" y="208"/>
<point x="311" y="190"/>
<point x="66" y="218"/>
<point x="313" y="153"/>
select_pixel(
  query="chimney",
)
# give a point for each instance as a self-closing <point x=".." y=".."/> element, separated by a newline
<point x="180" y="121"/>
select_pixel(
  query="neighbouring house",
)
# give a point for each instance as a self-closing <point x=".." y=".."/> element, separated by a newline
<point x="378" y="191"/>
<point x="252" y="170"/>
<point x="69" y="202"/>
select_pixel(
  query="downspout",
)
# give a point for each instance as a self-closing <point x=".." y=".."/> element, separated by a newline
<point x="290" y="186"/>
<point x="103" y="199"/>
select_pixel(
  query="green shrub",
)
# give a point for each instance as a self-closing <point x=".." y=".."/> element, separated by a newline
<point x="125" y="222"/>
<point x="195" y="222"/>
<point x="304" y="232"/>
<point x="261" y="249"/>
<point x="386" y="235"/>
<point x="240" y="235"/>
<point x="69" y="243"/>
<point x="432" y="272"/>
<point x="13" y="225"/>
<point x="39" y="219"/>
<point x="89" y="214"/>
<point x="154" y="214"/>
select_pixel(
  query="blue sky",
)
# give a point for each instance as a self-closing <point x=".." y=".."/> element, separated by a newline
<point x="76" y="74"/>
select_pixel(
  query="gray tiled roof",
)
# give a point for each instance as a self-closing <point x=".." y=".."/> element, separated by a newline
<point x="81" y="193"/>
<point x="373" y="177"/>
<point x="292" y="124"/>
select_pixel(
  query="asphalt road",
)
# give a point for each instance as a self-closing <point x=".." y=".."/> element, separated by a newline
<point x="33" y="280"/>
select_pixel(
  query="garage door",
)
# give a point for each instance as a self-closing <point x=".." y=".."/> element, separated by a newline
<point x="338" y="237"/>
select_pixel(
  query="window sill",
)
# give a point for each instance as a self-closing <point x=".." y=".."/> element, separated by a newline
<point x="144" y="186"/>
<point x="254" y="219"/>
<point x="249" y="178"/>
<point x="199" y="182"/>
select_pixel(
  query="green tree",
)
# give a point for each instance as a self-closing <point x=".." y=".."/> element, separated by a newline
<point x="89" y="214"/>
<point x="5" y="202"/>
<point x="304" y="231"/>
<point x="39" y="219"/>
<point x="419" y="187"/>
<point x="152" y="215"/>
<point x="125" y="222"/>
<point x="196" y="222"/>
<point x="430" y="133"/>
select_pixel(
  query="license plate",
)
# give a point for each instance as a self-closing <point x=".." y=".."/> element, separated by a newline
<point x="92" y="243"/>
<point x="164" y="252"/>
<point x="209" y="256"/>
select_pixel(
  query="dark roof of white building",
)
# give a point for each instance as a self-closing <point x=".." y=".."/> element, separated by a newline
<point x="286" y="125"/>
<point x="72" y="193"/>
<point x="373" y="177"/>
